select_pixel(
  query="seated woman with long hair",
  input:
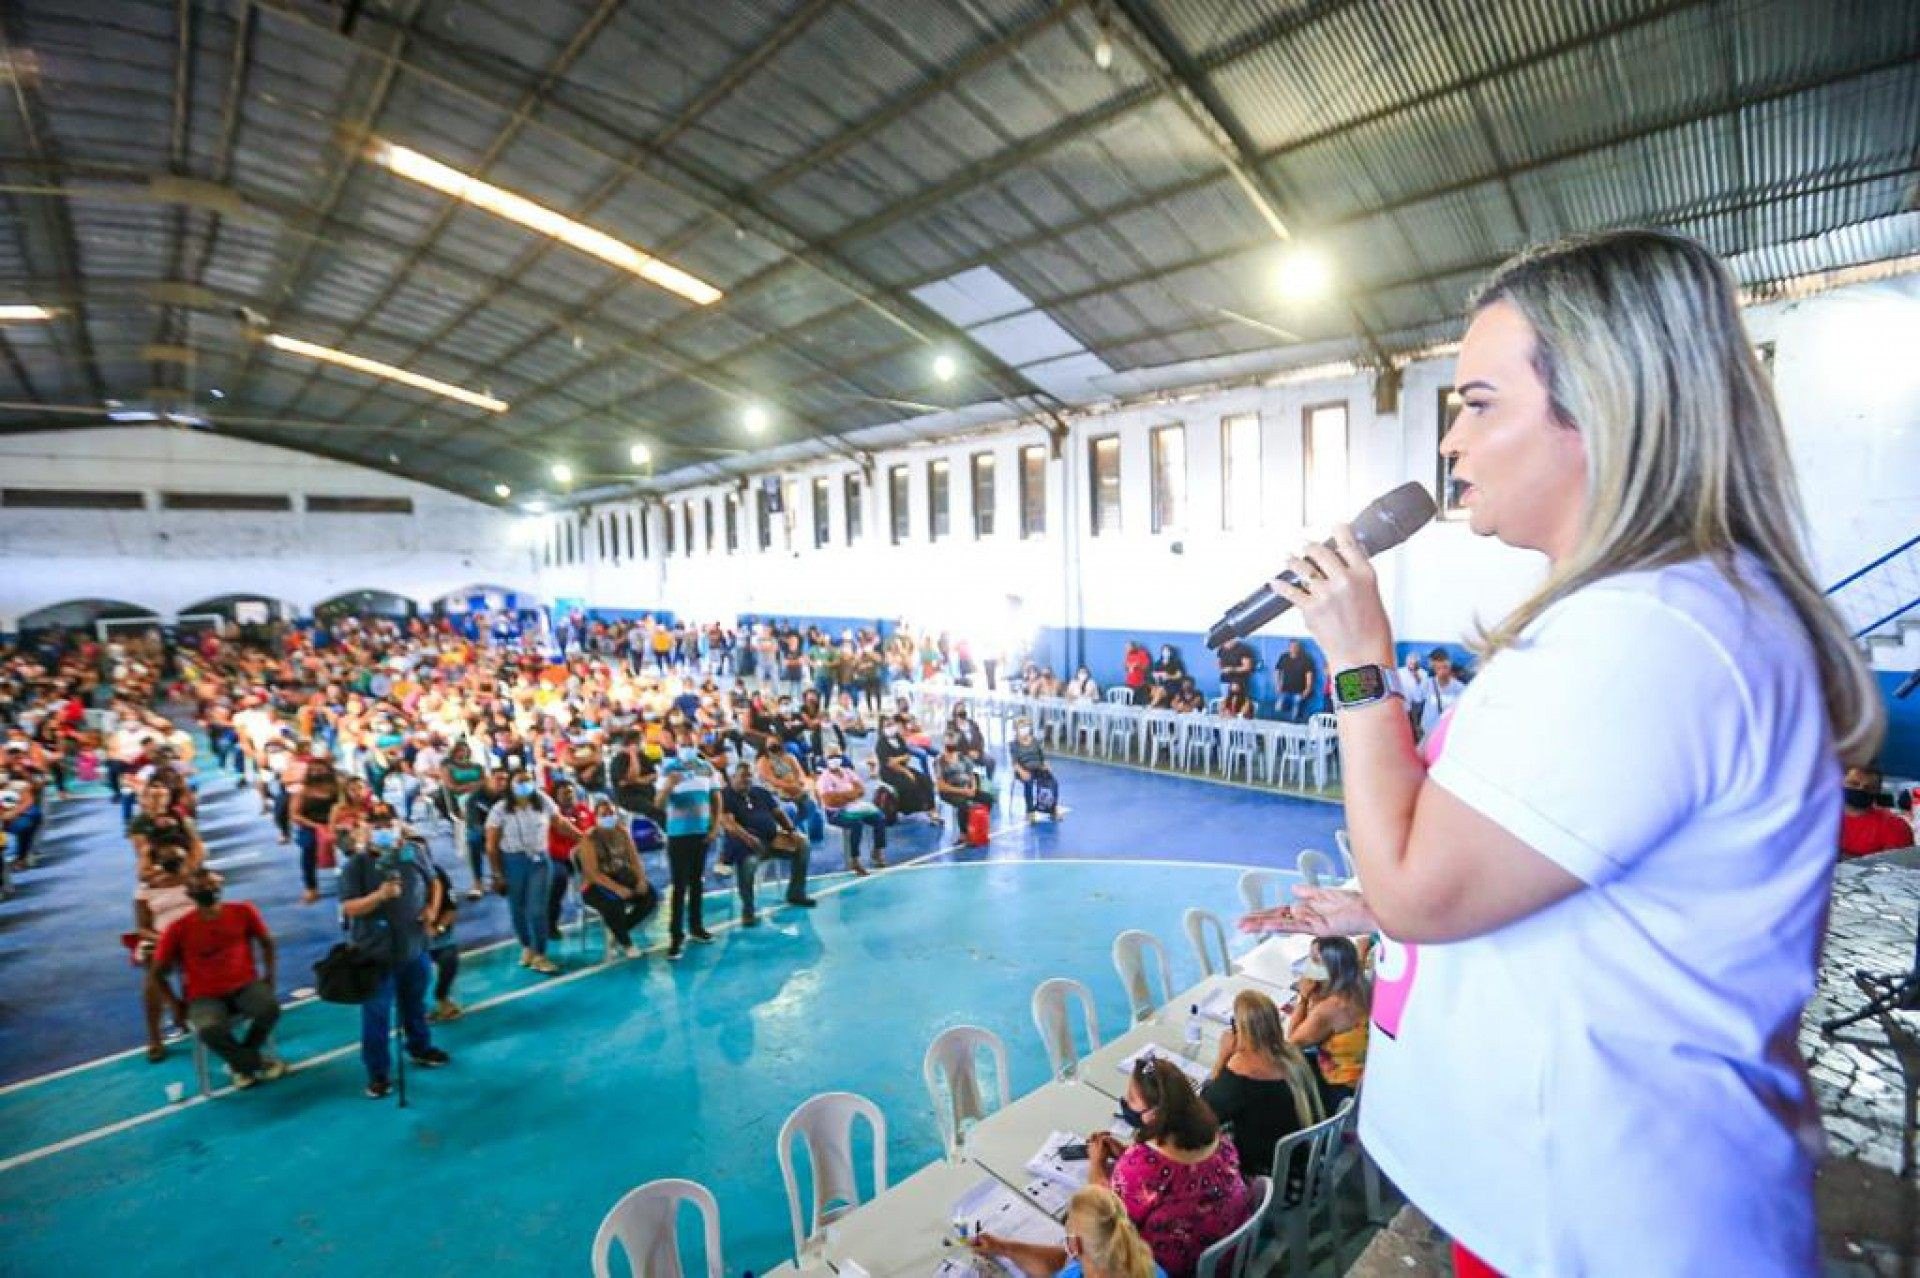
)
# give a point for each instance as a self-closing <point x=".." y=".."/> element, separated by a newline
<point x="1180" y="1179"/>
<point x="1330" y="1015"/>
<point x="1101" y="1242"/>
<point x="1262" y="1087"/>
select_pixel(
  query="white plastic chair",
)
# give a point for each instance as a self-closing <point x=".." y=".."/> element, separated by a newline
<point x="1123" y="723"/>
<point x="1316" y="870"/>
<point x="1317" y="1148"/>
<point x="1345" y="845"/>
<point x="957" y="1100"/>
<point x="825" y="1124"/>
<point x="1240" y="742"/>
<point x="646" y="1222"/>
<point x="1163" y="732"/>
<point x="1234" y="1255"/>
<point x="1202" y="924"/>
<point x="1056" y="1027"/>
<point x="1323" y="749"/>
<point x="1253" y="889"/>
<point x="1129" y="959"/>
<point x="1293" y="755"/>
<point x="1120" y="695"/>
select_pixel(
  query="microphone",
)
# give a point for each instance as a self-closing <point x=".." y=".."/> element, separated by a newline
<point x="1390" y="520"/>
<point x="1907" y="686"/>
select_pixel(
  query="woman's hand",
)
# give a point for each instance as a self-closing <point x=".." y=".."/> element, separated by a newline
<point x="1315" y="912"/>
<point x="1339" y="599"/>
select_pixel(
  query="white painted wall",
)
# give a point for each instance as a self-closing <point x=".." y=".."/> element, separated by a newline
<point x="167" y="560"/>
<point x="1845" y="371"/>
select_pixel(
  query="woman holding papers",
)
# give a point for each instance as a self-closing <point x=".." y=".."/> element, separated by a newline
<point x="1101" y="1242"/>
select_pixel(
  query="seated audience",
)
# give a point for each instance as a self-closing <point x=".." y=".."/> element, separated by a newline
<point x="1330" y="1016"/>
<point x="1236" y="704"/>
<point x="613" y="882"/>
<point x="1262" y="1088"/>
<point x="1865" y="826"/>
<point x="213" y="944"/>
<point x="754" y="827"/>
<point x="959" y="784"/>
<point x="157" y="829"/>
<point x="844" y="795"/>
<point x="782" y="774"/>
<point x="1101" y="1242"/>
<point x="1083" y="688"/>
<point x="972" y="742"/>
<point x="903" y="771"/>
<point x="1030" y="767"/>
<point x="160" y="901"/>
<point x="1180" y="1180"/>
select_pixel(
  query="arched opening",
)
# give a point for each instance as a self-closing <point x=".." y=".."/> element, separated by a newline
<point x="498" y="611"/>
<point x="249" y="614"/>
<point x="104" y="617"/>
<point x="365" y="603"/>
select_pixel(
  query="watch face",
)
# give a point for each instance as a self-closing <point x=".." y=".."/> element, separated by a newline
<point x="1363" y="683"/>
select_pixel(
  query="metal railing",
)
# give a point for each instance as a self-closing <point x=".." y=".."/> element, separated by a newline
<point x="1880" y="593"/>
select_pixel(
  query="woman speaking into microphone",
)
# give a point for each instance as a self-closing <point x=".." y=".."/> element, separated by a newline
<point x="1619" y="845"/>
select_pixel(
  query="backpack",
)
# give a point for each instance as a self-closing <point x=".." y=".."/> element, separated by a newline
<point x="348" y="974"/>
<point x="1046" y="794"/>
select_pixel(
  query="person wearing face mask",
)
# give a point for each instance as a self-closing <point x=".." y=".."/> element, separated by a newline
<point x="1865" y="826"/>
<point x="780" y="773"/>
<point x="387" y="892"/>
<point x="844" y="796"/>
<point x="480" y="803"/>
<point x="963" y="731"/>
<point x="1101" y="1242"/>
<point x="313" y="807"/>
<point x="1261" y="1087"/>
<point x="1030" y="769"/>
<point x="902" y="771"/>
<point x="755" y="827"/>
<point x="1330" y="1014"/>
<point x="689" y="791"/>
<point x="1180" y="1180"/>
<point x="613" y="881"/>
<point x="214" y="945"/>
<point x="518" y="828"/>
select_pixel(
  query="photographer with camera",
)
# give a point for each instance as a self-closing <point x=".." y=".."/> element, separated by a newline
<point x="387" y="891"/>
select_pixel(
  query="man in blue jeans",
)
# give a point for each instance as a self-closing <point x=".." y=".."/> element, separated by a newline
<point x="386" y="887"/>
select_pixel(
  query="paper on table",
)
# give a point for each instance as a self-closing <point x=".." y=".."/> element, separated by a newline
<point x="1192" y="1069"/>
<point x="1050" y="1196"/>
<point x="992" y="1208"/>
<point x="1218" y="1006"/>
<point x="1048" y="1164"/>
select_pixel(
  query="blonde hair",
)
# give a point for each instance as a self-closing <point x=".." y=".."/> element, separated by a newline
<point x="1639" y="339"/>
<point x="1261" y="1030"/>
<point x="1108" y="1241"/>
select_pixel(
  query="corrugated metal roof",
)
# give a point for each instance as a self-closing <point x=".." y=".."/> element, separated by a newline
<point x="822" y="160"/>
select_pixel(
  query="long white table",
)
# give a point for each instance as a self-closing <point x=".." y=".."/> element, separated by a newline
<point x="906" y="1232"/>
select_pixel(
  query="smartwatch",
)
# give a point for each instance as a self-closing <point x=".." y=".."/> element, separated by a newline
<point x="1362" y="686"/>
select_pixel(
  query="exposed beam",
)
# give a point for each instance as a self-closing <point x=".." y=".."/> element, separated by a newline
<point x="58" y="226"/>
<point x="712" y="190"/>
<point x="168" y="323"/>
<point x="288" y="281"/>
<point x="529" y="101"/>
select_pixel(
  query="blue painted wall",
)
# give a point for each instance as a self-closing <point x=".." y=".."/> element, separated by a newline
<point x="1900" y="756"/>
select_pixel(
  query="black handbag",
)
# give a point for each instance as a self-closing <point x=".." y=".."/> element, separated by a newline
<point x="348" y="974"/>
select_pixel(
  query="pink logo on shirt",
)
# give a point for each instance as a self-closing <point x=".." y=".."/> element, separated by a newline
<point x="1396" y="964"/>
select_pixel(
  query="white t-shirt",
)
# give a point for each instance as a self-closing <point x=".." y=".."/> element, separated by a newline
<point x="1613" y="1086"/>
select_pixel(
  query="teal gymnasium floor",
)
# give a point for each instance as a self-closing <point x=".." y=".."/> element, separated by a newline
<point x="566" y="1092"/>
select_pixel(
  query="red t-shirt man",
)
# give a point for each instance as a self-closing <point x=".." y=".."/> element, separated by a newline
<point x="215" y="954"/>
<point x="1875" y="830"/>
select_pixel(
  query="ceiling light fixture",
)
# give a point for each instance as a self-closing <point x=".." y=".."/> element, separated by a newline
<point x="537" y="507"/>
<point x="755" y="419"/>
<point x="639" y="454"/>
<point x="562" y="473"/>
<point x="374" y="368"/>
<point x="22" y="312"/>
<point x="1103" y="52"/>
<point x="217" y="393"/>
<point x="1304" y="274"/>
<point x="945" y="367"/>
<point x="502" y="491"/>
<point x="409" y="163"/>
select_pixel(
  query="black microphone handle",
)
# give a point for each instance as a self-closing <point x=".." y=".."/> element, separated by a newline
<point x="1907" y="686"/>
